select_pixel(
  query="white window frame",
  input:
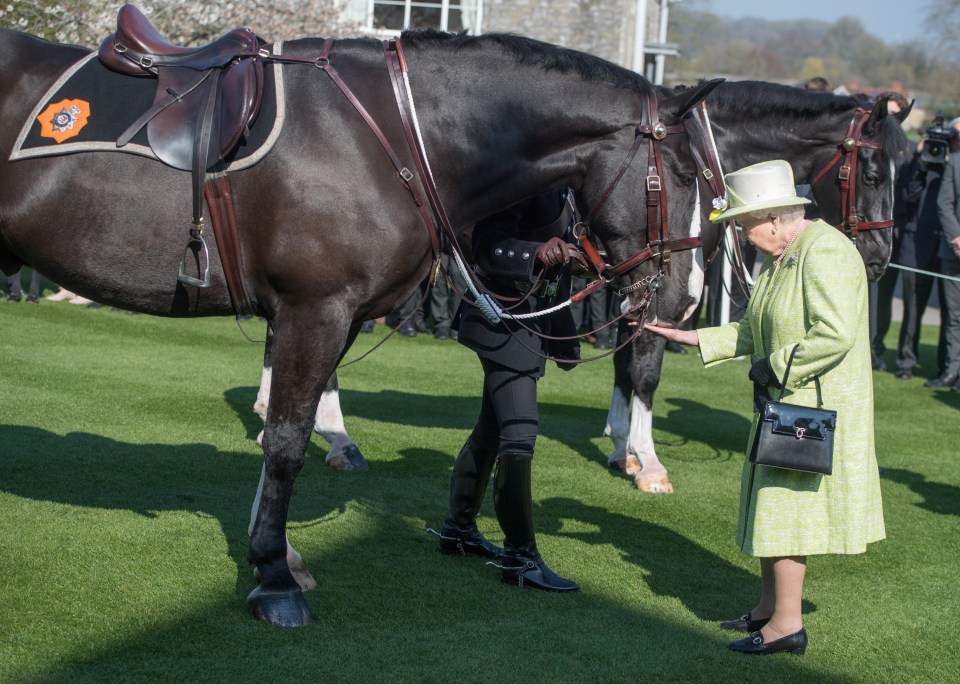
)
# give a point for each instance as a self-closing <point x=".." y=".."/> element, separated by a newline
<point x="408" y="5"/>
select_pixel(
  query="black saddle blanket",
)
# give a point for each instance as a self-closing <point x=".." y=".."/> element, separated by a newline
<point x="90" y="106"/>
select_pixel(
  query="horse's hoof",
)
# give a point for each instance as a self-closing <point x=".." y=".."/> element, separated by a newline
<point x="280" y="608"/>
<point x="349" y="460"/>
<point x="632" y="465"/>
<point x="658" y="485"/>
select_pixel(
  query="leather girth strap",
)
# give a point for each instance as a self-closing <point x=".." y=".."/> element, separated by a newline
<point x="219" y="195"/>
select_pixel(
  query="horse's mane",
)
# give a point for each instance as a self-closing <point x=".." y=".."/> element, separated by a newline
<point x="533" y="52"/>
<point x="760" y="98"/>
<point x="763" y="98"/>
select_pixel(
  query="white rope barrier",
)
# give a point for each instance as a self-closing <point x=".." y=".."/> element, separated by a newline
<point x="942" y="276"/>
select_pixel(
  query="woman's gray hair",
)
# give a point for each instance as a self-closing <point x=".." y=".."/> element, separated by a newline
<point x="790" y="213"/>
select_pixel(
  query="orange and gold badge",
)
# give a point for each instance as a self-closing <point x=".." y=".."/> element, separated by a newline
<point x="64" y="119"/>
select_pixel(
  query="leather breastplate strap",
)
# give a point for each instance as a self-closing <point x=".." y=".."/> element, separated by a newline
<point x="848" y="152"/>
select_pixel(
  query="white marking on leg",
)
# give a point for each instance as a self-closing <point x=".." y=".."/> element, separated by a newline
<point x="256" y="500"/>
<point x="617" y="427"/>
<point x="329" y="424"/>
<point x="653" y="476"/>
<point x="695" y="283"/>
<point x="263" y="394"/>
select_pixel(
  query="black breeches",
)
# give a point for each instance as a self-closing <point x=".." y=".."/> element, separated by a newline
<point x="508" y="421"/>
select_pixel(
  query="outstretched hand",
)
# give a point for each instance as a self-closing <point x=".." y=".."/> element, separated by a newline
<point x="686" y="337"/>
<point x="555" y="251"/>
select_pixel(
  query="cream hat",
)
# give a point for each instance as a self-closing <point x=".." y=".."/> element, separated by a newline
<point x="761" y="186"/>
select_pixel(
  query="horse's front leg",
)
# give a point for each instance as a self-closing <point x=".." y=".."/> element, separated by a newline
<point x="637" y="374"/>
<point x="300" y="371"/>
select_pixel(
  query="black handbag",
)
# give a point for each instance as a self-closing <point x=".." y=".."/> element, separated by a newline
<point x="795" y="437"/>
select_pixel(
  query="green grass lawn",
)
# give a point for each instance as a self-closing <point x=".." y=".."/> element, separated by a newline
<point x="127" y="469"/>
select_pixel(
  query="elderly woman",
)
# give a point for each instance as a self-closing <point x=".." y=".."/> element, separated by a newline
<point x="811" y="293"/>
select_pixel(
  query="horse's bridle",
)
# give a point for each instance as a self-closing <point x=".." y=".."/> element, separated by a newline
<point x="848" y="154"/>
<point x="658" y="245"/>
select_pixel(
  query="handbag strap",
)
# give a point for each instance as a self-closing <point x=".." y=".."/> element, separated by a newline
<point x="786" y="374"/>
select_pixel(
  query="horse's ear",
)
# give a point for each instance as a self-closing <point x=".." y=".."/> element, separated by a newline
<point x="676" y="106"/>
<point x="902" y="115"/>
<point x="877" y="115"/>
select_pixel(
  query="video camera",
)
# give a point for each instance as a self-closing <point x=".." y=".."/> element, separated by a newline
<point x="936" y="147"/>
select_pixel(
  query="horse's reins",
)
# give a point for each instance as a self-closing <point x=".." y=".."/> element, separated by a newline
<point x="848" y="152"/>
<point x="651" y="129"/>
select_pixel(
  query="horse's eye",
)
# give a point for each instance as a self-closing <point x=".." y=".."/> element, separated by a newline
<point x="871" y="178"/>
<point x="686" y="179"/>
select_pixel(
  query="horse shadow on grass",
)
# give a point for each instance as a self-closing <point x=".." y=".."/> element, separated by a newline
<point x="937" y="497"/>
<point x="386" y="560"/>
<point x="723" y="432"/>
<point x="92" y="471"/>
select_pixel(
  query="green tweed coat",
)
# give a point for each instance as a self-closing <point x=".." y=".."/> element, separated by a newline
<point x="817" y="298"/>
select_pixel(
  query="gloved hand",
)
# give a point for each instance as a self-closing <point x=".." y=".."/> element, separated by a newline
<point x="763" y="376"/>
<point x="555" y="251"/>
<point x="760" y="396"/>
<point x="761" y="372"/>
<point x="567" y="358"/>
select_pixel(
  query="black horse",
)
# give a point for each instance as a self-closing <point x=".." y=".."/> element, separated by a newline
<point x="754" y="122"/>
<point x="329" y="235"/>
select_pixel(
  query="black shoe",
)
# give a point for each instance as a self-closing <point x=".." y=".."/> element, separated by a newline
<point x="879" y="365"/>
<point x="796" y="644"/>
<point x="14" y="298"/>
<point x="441" y="334"/>
<point x="512" y="499"/>
<point x="367" y="326"/>
<point x="675" y="347"/>
<point x="904" y="374"/>
<point x="424" y="327"/>
<point x="942" y="381"/>
<point x="408" y="329"/>
<point x="524" y="567"/>
<point x="458" y="542"/>
<point x="744" y="623"/>
<point x="33" y="299"/>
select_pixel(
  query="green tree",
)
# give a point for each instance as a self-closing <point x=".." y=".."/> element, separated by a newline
<point x="184" y="22"/>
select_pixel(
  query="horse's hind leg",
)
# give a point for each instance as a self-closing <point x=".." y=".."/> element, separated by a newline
<point x="344" y="454"/>
<point x="300" y="370"/>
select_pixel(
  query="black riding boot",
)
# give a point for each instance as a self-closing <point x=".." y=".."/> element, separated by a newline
<point x="468" y="484"/>
<point x="522" y="564"/>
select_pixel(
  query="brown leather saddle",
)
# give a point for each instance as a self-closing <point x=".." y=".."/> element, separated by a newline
<point x="207" y="98"/>
<point x="217" y="87"/>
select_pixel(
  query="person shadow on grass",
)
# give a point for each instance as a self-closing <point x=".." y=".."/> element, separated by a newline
<point x="937" y="497"/>
<point x="711" y="587"/>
